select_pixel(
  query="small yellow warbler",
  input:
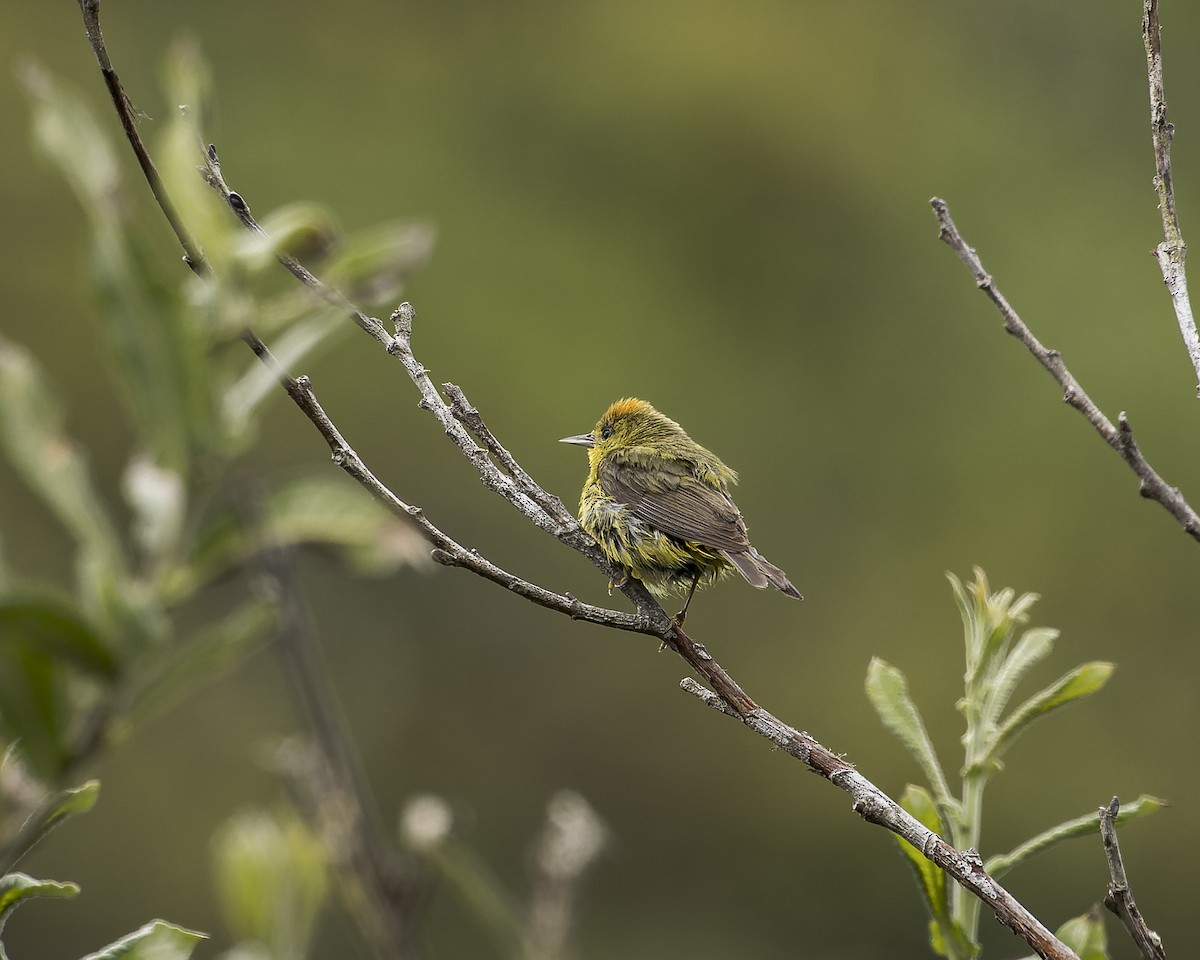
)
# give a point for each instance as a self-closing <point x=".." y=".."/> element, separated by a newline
<point x="658" y="504"/>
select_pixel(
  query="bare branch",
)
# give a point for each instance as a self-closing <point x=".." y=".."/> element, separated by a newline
<point x="1120" y="438"/>
<point x="1119" y="898"/>
<point x="1172" y="252"/>
<point x="192" y="254"/>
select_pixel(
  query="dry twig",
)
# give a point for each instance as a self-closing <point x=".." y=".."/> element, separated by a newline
<point x="1119" y="898"/>
<point x="1172" y="252"/>
<point x="1120" y="437"/>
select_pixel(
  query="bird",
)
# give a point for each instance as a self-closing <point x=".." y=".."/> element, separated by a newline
<point x="658" y="504"/>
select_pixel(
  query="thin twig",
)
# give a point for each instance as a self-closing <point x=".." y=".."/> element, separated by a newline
<point x="192" y="254"/>
<point x="546" y="512"/>
<point x="1119" y="898"/>
<point x="1172" y="252"/>
<point x="1120" y="437"/>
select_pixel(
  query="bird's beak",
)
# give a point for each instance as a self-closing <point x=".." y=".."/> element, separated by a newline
<point x="583" y="440"/>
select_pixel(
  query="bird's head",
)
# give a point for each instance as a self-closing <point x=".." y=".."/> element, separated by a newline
<point x="630" y="423"/>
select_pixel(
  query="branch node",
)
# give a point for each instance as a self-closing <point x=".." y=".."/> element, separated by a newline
<point x="402" y="318"/>
<point x="444" y="557"/>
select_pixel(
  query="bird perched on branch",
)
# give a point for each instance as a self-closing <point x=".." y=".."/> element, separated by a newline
<point x="658" y="504"/>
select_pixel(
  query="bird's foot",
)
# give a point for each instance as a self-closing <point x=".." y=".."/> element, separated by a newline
<point x="618" y="583"/>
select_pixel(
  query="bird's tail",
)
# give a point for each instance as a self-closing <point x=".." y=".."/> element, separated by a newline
<point x="759" y="571"/>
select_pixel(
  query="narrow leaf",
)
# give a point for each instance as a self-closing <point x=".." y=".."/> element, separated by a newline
<point x="187" y="85"/>
<point x="887" y="689"/>
<point x="157" y="940"/>
<point x="1033" y="646"/>
<point x="1075" y="685"/>
<point x="1087" y="825"/>
<point x="298" y="342"/>
<point x="65" y="130"/>
<point x="32" y="437"/>
<point x="157" y="344"/>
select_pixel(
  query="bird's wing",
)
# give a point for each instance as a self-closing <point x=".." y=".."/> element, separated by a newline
<point x="670" y="499"/>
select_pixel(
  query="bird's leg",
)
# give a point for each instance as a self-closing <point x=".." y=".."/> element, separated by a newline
<point x="682" y="614"/>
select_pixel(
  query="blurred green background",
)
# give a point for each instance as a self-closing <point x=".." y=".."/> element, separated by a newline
<point x="723" y="209"/>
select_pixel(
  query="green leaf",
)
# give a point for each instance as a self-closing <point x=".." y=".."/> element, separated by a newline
<point x="988" y="623"/>
<point x="1085" y="935"/>
<point x="18" y="887"/>
<point x="32" y="437"/>
<point x="51" y="627"/>
<point x="48" y="815"/>
<point x="946" y="936"/>
<point x="1033" y="646"/>
<point x="887" y="689"/>
<point x="157" y="343"/>
<point x="42" y="640"/>
<point x="930" y="877"/>
<point x="31" y="709"/>
<point x="320" y="510"/>
<point x="303" y="230"/>
<point x="1075" y="685"/>
<point x="373" y="265"/>
<point x="161" y="351"/>
<point x="187" y="85"/>
<point x="157" y="940"/>
<point x="65" y="130"/>
<point x="1087" y="825"/>
<point x="257" y="382"/>
<point x="271" y="876"/>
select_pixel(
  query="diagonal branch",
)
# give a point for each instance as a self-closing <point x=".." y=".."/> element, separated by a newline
<point x="463" y="425"/>
<point x="1120" y="437"/>
<point x="192" y="254"/>
<point x="1172" y="252"/>
<point x="875" y="806"/>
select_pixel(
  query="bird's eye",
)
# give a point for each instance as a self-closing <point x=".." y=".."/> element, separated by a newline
<point x="606" y="431"/>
